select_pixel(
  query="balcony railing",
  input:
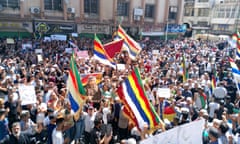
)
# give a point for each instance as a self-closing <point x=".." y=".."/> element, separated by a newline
<point x="10" y="12"/>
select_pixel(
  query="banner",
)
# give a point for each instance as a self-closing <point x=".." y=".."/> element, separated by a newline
<point x="59" y="37"/>
<point x="27" y="94"/>
<point x="38" y="51"/>
<point x="190" y="133"/>
<point x="83" y="54"/>
<point x="10" y="41"/>
<point x="68" y="50"/>
<point x="26" y="46"/>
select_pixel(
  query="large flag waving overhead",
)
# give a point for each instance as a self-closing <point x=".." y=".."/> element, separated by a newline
<point x="132" y="94"/>
<point x="129" y="44"/>
<point x="185" y="70"/>
<point x="235" y="72"/>
<point x="113" y="48"/>
<point x="236" y="41"/>
<point x="74" y="70"/>
<point x="100" y="54"/>
<point x="76" y="91"/>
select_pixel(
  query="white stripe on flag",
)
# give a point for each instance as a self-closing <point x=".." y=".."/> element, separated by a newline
<point x="136" y="112"/>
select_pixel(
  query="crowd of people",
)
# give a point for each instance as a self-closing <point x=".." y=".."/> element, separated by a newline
<point x="52" y="121"/>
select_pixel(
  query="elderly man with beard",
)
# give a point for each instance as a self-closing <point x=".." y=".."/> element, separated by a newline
<point x="16" y="136"/>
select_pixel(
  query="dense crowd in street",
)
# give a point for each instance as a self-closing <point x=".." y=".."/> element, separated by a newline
<point x="50" y="120"/>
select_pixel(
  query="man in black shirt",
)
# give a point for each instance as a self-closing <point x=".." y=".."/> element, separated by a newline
<point x="16" y="137"/>
<point x="13" y="107"/>
<point x="96" y="134"/>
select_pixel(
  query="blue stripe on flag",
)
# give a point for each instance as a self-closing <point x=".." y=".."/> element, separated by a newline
<point x="135" y="101"/>
<point x="74" y="104"/>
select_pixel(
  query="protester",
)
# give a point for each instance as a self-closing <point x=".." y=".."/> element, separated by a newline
<point x="46" y="75"/>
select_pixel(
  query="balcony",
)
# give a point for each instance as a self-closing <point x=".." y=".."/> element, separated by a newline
<point x="202" y="5"/>
<point x="201" y="26"/>
<point x="10" y="12"/>
<point x="56" y="15"/>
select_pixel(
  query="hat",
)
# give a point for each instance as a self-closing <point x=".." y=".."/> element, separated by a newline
<point x="228" y="97"/>
<point x="131" y="141"/>
<point x="213" y="132"/>
<point x="221" y="102"/>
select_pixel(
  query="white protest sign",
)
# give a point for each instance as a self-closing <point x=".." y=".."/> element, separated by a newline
<point x="38" y="51"/>
<point x="121" y="66"/>
<point x="59" y="37"/>
<point x="27" y="94"/>
<point x="39" y="58"/>
<point x="68" y="50"/>
<point x="10" y="41"/>
<point x="47" y="39"/>
<point x="190" y="133"/>
<point x="164" y="92"/>
<point x="155" y="52"/>
<point x="82" y="54"/>
<point x="74" y="34"/>
<point x="26" y="46"/>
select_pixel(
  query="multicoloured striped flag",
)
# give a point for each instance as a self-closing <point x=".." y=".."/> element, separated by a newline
<point x="76" y="99"/>
<point x="132" y="94"/>
<point x="214" y="78"/>
<point x="76" y="91"/>
<point x="130" y="45"/>
<point x="185" y="70"/>
<point x="235" y="72"/>
<point x="203" y="99"/>
<point x="169" y="113"/>
<point x="236" y="41"/>
<point x="100" y="54"/>
<point x="85" y="77"/>
<point x="76" y="76"/>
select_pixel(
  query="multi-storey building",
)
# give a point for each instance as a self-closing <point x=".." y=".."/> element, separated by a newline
<point x="87" y="16"/>
<point x="212" y="16"/>
<point x="225" y="16"/>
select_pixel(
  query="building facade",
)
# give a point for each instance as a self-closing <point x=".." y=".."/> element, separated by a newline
<point x="212" y="16"/>
<point x="88" y="16"/>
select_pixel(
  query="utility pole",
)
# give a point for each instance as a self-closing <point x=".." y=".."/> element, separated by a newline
<point x="166" y="32"/>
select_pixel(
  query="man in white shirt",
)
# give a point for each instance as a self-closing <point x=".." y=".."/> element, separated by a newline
<point x="89" y="123"/>
<point x="220" y="92"/>
<point x="57" y="135"/>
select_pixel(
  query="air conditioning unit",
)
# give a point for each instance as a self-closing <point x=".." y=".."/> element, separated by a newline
<point x="71" y="10"/>
<point x="219" y="1"/>
<point x="35" y="10"/>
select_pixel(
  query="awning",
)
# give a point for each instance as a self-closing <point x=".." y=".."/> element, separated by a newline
<point x="10" y="34"/>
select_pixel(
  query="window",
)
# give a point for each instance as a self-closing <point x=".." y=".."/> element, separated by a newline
<point x="228" y="12"/>
<point x="203" y="12"/>
<point x="149" y="11"/>
<point x="53" y="4"/>
<point x="203" y="0"/>
<point x="10" y="3"/>
<point x="172" y="13"/>
<point x="233" y="12"/>
<point x="221" y="13"/>
<point x="189" y="11"/>
<point x="91" y="6"/>
<point x="123" y="8"/>
<point x="202" y="23"/>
